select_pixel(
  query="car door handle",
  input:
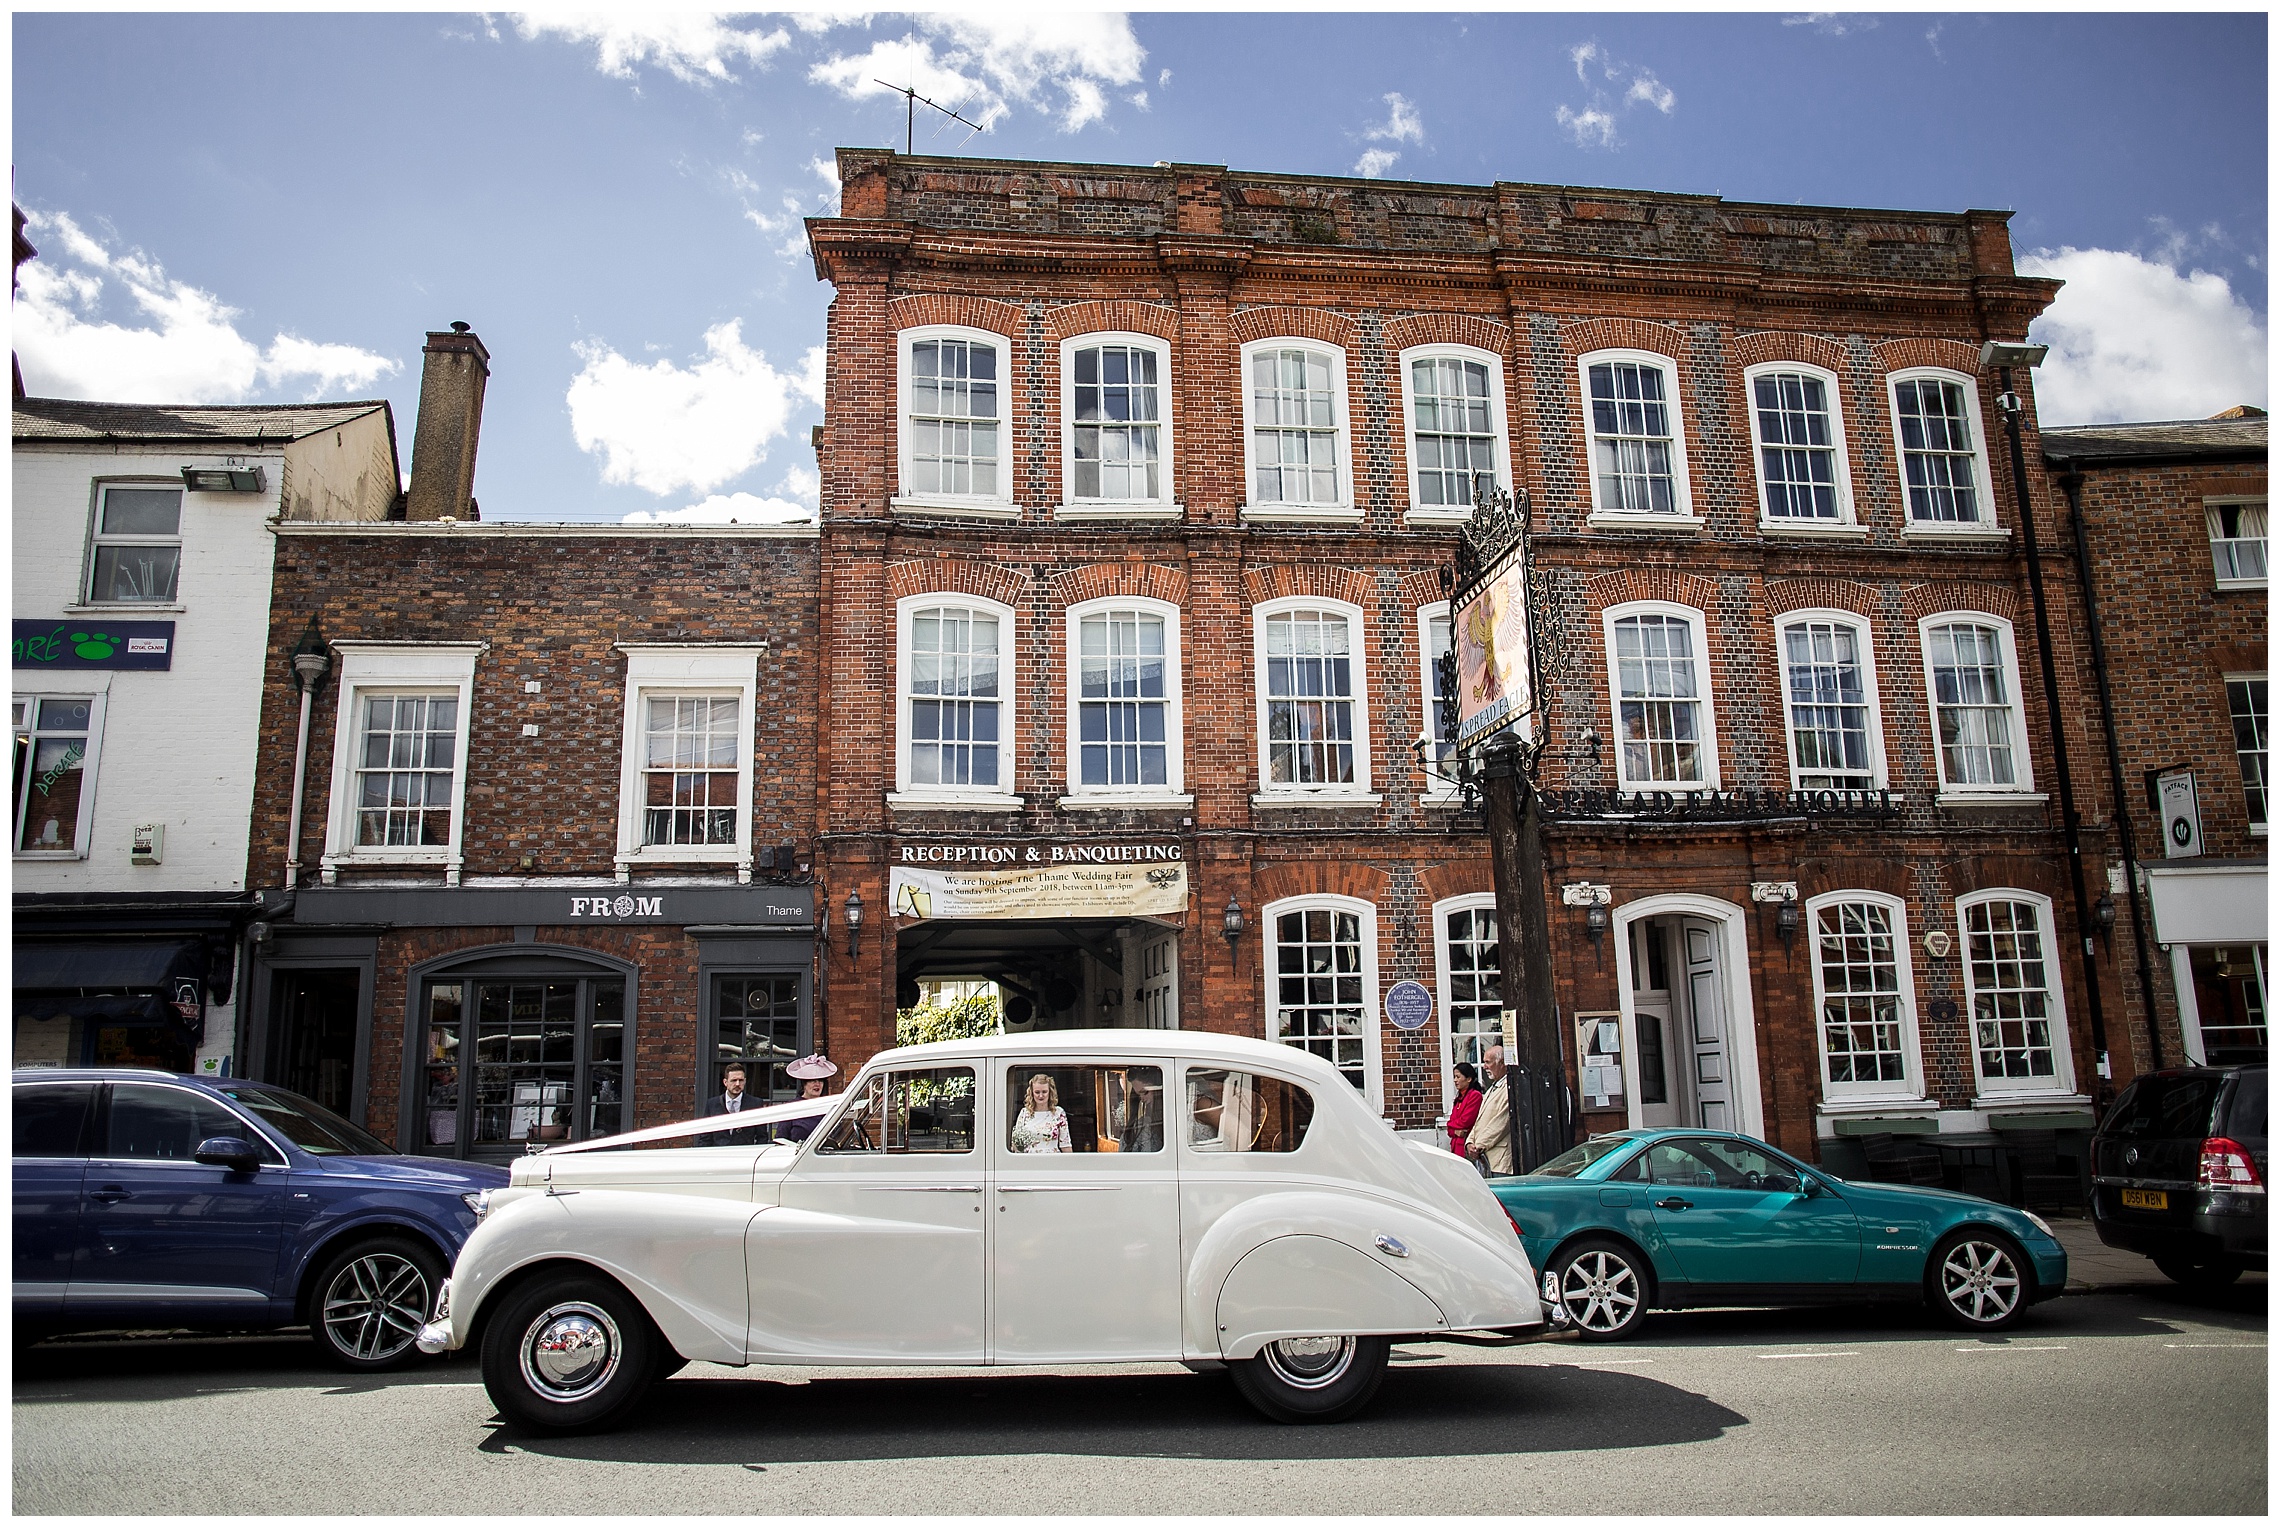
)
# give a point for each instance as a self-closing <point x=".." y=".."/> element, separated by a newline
<point x="109" y="1194"/>
<point x="1674" y="1203"/>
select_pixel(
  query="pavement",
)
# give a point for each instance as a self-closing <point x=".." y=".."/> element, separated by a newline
<point x="2137" y="1399"/>
<point x="2092" y="1265"/>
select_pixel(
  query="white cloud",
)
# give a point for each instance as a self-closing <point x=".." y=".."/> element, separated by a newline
<point x="986" y="64"/>
<point x="1932" y="39"/>
<point x="1591" y="128"/>
<point x="1584" y="54"/>
<point x="1402" y="124"/>
<point x="1374" y="163"/>
<point x="665" y="427"/>
<point x="727" y="509"/>
<point x="186" y="348"/>
<point x="693" y="47"/>
<point x="2133" y="338"/>
<point x="1652" y="91"/>
<point x="1832" y="23"/>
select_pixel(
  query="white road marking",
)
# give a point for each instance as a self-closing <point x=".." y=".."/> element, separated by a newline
<point x="2014" y="1347"/>
<point x="2215" y="1344"/>
<point x="1609" y="1363"/>
<point x="1848" y="1354"/>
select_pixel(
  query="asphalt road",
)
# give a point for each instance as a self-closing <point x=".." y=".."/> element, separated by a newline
<point x="2134" y="1400"/>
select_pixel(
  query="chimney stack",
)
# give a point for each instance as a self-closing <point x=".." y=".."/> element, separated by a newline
<point x="451" y="416"/>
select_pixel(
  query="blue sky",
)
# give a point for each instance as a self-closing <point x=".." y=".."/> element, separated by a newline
<point x="276" y="207"/>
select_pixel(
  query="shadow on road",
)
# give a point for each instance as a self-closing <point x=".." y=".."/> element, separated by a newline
<point x="1482" y="1409"/>
<point x="2146" y="1311"/>
<point x="170" y="1368"/>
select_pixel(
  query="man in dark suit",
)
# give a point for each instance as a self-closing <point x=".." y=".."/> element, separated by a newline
<point x="730" y="1099"/>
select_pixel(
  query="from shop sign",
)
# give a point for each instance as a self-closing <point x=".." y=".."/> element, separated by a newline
<point x="553" y="907"/>
<point x="1044" y="890"/>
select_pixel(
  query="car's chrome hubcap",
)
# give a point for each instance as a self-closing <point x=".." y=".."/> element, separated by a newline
<point x="375" y="1306"/>
<point x="570" y="1351"/>
<point x="1309" y="1363"/>
<point x="1600" y="1291"/>
<point x="1980" y="1281"/>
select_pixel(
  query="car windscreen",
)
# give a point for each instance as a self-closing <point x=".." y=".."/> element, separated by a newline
<point x="1574" y="1160"/>
<point x="2244" y="1112"/>
<point x="310" y="1126"/>
<point x="2163" y="1108"/>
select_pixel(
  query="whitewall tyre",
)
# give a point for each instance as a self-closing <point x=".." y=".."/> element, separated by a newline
<point x="1312" y="1379"/>
<point x="568" y="1353"/>
<point x="371" y="1299"/>
<point x="1603" y="1287"/>
<point x="1977" y="1280"/>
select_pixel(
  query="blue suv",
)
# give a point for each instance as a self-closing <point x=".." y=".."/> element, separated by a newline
<point x="149" y="1199"/>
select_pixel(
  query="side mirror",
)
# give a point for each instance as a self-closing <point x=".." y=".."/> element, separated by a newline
<point x="230" y="1151"/>
<point x="1808" y="1187"/>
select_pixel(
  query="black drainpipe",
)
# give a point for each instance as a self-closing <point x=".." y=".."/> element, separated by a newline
<point x="2009" y="403"/>
<point x="2070" y="480"/>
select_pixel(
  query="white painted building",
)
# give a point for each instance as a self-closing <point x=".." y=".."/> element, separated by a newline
<point x="143" y="549"/>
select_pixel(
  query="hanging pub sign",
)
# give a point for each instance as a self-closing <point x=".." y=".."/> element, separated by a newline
<point x="1490" y="634"/>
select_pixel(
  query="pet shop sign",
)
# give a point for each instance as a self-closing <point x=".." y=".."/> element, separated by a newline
<point x="92" y="644"/>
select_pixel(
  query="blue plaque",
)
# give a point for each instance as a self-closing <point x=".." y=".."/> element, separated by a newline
<point x="1409" y="1005"/>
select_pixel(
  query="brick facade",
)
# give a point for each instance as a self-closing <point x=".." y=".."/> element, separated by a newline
<point x="552" y="604"/>
<point x="2173" y="637"/>
<point x="1537" y="277"/>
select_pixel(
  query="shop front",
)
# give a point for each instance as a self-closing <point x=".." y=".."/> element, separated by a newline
<point x="2209" y="916"/>
<point x="124" y="980"/>
<point x="479" y="1022"/>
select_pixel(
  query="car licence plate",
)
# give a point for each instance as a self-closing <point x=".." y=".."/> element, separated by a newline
<point x="2144" y="1199"/>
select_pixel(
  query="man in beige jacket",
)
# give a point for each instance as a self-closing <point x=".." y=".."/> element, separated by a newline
<point x="1490" y="1144"/>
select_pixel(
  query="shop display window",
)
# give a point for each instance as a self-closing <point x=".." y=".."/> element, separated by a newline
<point x="515" y="1061"/>
<point x="756" y="1021"/>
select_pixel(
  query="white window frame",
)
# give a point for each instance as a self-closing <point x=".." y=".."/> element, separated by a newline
<point x="369" y="668"/>
<point x="1682" y="515"/>
<point x="2023" y="788"/>
<point x="669" y="670"/>
<point x="1846" y="524"/>
<point x="1165" y="505"/>
<point x="2255" y="829"/>
<point x="1173" y="791"/>
<point x="1469" y="902"/>
<point x="1357" y="627"/>
<point x="1437" y="789"/>
<point x="2218" y="545"/>
<point x="2011" y="1089"/>
<point x="1910" y="1087"/>
<point x="83" y="598"/>
<point x="997" y="506"/>
<point x="1372" y="1061"/>
<point x="97" y="693"/>
<point x="1879" y="771"/>
<point x="1987" y="525"/>
<point x="1344" y="509"/>
<point x="967" y="798"/>
<point x="1709" y="736"/>
<point x="1500" y="448"/>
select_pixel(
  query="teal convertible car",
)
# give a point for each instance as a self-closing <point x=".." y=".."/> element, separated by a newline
<point x="1667" y="1219"/>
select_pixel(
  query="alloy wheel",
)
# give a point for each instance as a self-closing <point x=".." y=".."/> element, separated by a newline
<point x="1980" y="1281"/>
<point x="1600" y="1290"/>
<point x="375" y="1306"/>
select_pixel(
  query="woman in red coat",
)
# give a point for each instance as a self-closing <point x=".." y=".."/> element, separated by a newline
<point x="1467" y="1107"/>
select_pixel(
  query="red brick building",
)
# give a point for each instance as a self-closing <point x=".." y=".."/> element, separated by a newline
<point x="2171" y="519"/>
<point x="1137" y="486"/>
<point x="554" y="811"/>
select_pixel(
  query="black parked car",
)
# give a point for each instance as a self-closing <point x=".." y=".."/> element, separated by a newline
<point x="146" y="1199"/>
<point x="2178" y="1172"/>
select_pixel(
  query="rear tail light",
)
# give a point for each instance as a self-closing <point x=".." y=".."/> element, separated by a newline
<point x="2226" y="1165"/>
<point x="1518" y="1229"/>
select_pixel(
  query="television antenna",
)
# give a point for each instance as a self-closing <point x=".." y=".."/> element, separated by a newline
<point x="912" y="100"/>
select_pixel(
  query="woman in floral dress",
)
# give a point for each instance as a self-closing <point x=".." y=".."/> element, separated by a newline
<point x="1041" y="1126"/>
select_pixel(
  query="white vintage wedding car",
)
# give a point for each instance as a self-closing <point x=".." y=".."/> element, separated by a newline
<point x="1106" y="1196"/>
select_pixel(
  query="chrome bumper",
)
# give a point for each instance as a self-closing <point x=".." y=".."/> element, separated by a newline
<point x="436" y="1337"/>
